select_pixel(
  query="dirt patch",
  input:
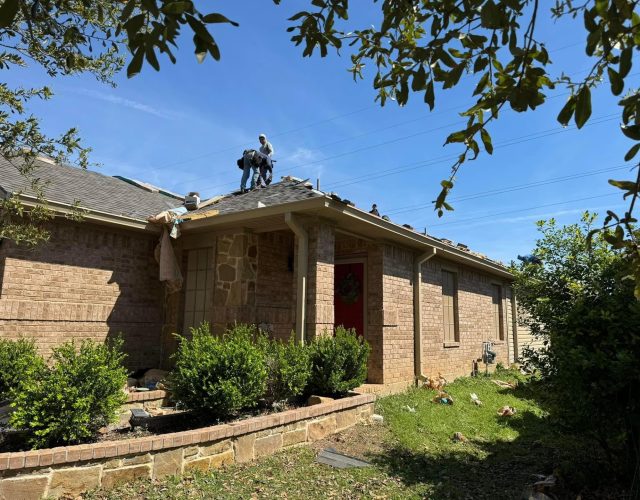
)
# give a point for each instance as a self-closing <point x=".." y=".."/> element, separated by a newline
<point x="362" y="441"/>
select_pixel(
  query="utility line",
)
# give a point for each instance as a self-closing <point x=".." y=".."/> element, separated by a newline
<point x="442" y="159"/>
<point x="313" y="124"/>
<point x="509" y="189"/>
<point x="446" y="158"/>
<point x="508" y="212"/>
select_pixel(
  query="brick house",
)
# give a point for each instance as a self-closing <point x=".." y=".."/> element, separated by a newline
<point x="288" y="257"/>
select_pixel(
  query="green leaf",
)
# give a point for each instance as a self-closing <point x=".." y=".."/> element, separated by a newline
<point x="486" y="140"/>
<point x="624" y="185"/>
<point x="632" y="152"/>
<point x="625" y="61"/>
<point x="218" y="18"/>
<point x="419" y="79"/>
<point x="490" y="16"/>
<point x="617" y="83"/>
<point x="583" y="106"/>
<point x="429" y="95"/>
<point x="456" y="137"/>
<point x="176" y="8"/>
<point x="136" y="63"/>
<point x="128" y="9"/>
<point x="151" y="58"/>
<point x="632" y="132"/>
<point x="567" y="111"/>
<point x="8" y="11"/>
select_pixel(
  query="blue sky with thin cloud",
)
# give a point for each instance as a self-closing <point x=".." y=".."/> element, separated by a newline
<point x="184" y="127"/>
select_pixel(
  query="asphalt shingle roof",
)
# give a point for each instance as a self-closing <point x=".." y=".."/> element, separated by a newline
<point x="94" y="191"/>
<point x="279" y="193"/>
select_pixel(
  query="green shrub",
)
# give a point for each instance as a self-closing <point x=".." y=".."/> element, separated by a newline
<point x="219" y="375"/>
<point x="68" y="402"/>
<point x="288" y="369"/>
<point x="18" y="359"/>
<point x="581" y="305"/>
<point x="338" y="363"/>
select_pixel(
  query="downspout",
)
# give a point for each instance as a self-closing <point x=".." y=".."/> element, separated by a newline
<point x="514" y="325"/>
<point x="303" y="259"/>
<point x="417" y="315"/>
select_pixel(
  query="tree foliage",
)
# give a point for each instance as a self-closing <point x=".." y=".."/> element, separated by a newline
<point x="426" y="46"/>
<point x="69" y="37"/>
<point x="580" y="304"/>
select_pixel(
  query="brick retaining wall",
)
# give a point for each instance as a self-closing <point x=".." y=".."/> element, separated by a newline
<point x="71" y="470"/>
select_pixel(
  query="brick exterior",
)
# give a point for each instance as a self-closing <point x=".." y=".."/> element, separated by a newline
<point x="88" y="281"/>
<point x="91" y="281"/>
<point x="276" y="282"/>
<point x="320" y="288"/>
<point x="390" y="314"/>
<point x="475" y="320"/>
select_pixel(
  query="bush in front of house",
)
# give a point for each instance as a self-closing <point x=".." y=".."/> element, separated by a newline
<point x="67" y="402"/>
<point x="288" y="369"/>
<point x="219" y="375"/>
<point x="338" y="363"/>
<point x="18" y="359"/>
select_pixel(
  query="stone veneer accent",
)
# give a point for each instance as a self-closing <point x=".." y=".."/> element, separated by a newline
<point x="235" y="279"/>
<point x="72" y="470"/>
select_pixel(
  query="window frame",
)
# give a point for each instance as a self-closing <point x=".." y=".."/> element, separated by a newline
<point x="446" y="325"/>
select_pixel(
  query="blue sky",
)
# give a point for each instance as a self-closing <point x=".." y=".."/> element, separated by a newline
<point x="183" y="129"/>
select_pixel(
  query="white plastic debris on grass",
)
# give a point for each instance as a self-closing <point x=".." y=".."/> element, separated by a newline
<point x="377" y="419"/>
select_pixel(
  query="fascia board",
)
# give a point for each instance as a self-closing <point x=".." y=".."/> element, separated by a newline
<point x="64" y="209"/>
<point x="419" y="240"/>
<point x="255" y="213"/>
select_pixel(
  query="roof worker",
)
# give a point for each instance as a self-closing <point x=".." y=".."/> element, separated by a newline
<point x="266" y="167"/>
<point x="265" y="146"/>
<point x="251" y="161"/>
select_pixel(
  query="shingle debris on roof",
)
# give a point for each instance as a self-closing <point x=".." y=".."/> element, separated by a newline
<point x="95" y="191"/>
<point x="286" y="191"/>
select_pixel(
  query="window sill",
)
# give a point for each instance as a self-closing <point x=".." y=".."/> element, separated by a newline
<point x="451" y="344"/>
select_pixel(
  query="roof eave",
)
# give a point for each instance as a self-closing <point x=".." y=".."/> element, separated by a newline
<point x="254" y="213"/>
<point x="65" y="209"/>
<point x="420" y="240"/>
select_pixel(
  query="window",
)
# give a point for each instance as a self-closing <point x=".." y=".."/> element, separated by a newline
<point x="199" y="287"/>
<point x="498" y="327"/>
<point x="450" y="306"/>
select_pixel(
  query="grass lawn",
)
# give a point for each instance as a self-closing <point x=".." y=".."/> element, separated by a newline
<point x="412" y="454"/>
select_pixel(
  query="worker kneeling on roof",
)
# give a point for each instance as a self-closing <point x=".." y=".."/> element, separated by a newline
<point x="258" y="161"/>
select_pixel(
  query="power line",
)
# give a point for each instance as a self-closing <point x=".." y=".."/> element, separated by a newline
<point x="279" y="134"/>
<point x="508" y="212"/>
<point x="442" y="159"/>
<point x="313" y="124"/>
<point x="509" y="189"/>
<point x="447" y="158"/>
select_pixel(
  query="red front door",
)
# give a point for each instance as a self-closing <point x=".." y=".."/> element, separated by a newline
<point x="349" y="296"/>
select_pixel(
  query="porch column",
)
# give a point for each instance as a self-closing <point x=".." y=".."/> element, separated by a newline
<point x="320" y="288"/>
<point x="234" y="295"/>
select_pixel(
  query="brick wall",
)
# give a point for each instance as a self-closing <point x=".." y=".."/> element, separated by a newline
<point x="397" y="314"/>
<point x="88" y="281"/>
<point x="320" y="288"/>
<point x="275" y="286"/>
<point x="475" y="320"/>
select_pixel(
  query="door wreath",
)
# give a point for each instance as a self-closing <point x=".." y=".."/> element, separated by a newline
<point x="348" y="289"/>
